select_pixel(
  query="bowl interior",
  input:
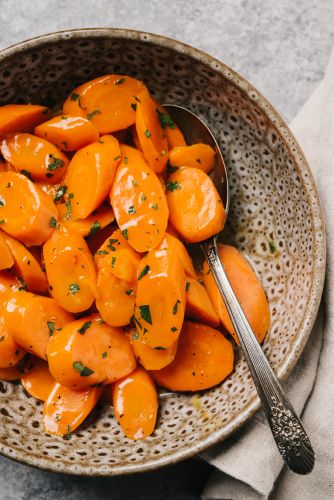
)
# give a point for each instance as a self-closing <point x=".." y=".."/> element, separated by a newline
<point x="275" y="219"/>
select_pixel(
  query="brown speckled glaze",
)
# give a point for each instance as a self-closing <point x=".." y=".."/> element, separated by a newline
<point x="273" y="198"/>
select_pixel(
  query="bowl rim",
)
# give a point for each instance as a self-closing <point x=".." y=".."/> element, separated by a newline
<point x="318" y="229"/>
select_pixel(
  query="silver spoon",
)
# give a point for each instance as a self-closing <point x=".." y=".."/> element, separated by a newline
<point x="289" y="434"/>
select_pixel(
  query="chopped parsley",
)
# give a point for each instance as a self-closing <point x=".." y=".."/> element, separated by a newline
<point x="27" y="174"/>
<point x="126" y="160"/>
<point x="104" y="355"/>
<point x="73" y="288"/>
<point x="143" y="197"/>
<point x="120" y="81"/>
<point x="159" y="348"/>
<point x="69" y="206"/>
<point x="53" y="222"/>
<point x="54" y="163"/>
<point x="172" y="186"/>
<point x="111" y="244"/>
<point x="61" y="191"/>
<point x="2" y="221"/>
<point x="83" y="370"/>
<point x="165" y="120"/>
<point x="102" y="252"/>
<point x="175" y="306"/>
<point x="131" y="210"/>
<point x="146" y="270"/>
<point x="173" y="329"/>
<point x="74" y="96"/>
<point x="113" y="260"/>
<point x="68" y="434"/>
<point x="135" y="335"/>
<point x="84" y="327"/>
<point x="129" y="291"/>
<point x="272" y="247"/>
<point x="145" y="313"/>
<point x="133" y="106"/>
<point x="171" y="169"/>
<point x="51" y="327"/>
<point x="147" y="133"/>
<point x="93" y="113"/>
<point x="117" y="158"/>
<point x="96" y="226"/>
<point x="154" y="206"/>
<point x="2" y="203"/>
<point x="187" y="285"/>
<point x="125" y="234"/>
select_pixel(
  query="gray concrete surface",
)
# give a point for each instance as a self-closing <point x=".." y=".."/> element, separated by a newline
<point x="281" y="46"/>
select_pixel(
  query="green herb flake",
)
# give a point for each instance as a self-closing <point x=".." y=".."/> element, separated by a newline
<point x="102" y="252"/>
<point x="187" y="286"/>
<point x="159" y="348"/>
<point x="83" y="370"/>
<point x="173" y="329"/>
<point x="154" y="206"/>
<point x="171" y="169"/>
<point x="74" y="96"/>
<point x="143" y="197"/>
<point x="148" y="133"/>
<point x="93" y="113"/>
<point x="133" y="106"/>
<point x="145" y="313"/>
<point x="61" y="191"/>
<point x="135" y="336"/>
<point x="272" y="247"/>
<point x="51" y="327"/>
<point x="111" y="244"/>
<point x="137" y="322"/>
<point x="120" y="81"/>
<point x="73" y="288"/>
<point x="2" y="202"/>
<point x="136" y="98"/>
<point x="53" y="222"/>
<point x="125" y="234"/>
<point x="54" y="163"/>
<point x="176" y="306"/>
<point x="172" y="186"/>
<point x="2" y="221"/>
<point x="117" y="158"/>
<point x="145" y="271"/>
<point x="69" y="206"/>
<point x="68" y="434"/>
<point x="165" y="120"/>
<point x="27" y="174"/>
<point x="84" y="327"/>
<point x="104" y="355"/>
<point x="126" y="160"/>
<point x="48" y="175"/>
<point x="129" y="291"/>
<point x="113" y="261"/>
<point x="134" y="183"/>
<point x="96" y="226"/>
<point x="131" y="210"/>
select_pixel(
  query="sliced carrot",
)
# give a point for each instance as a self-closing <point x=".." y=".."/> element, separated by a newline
<point x="124" y="264"/>
<point x="199" y="305"/>
<point x="34" y="157"/>
<point x="199" y="155"/>
<point x="6" y="257"/>
<point x="176" y="246"/>
<point x="115" y="297"/>
<point x="247" y="288"/>
<point x="31" y="319"/>
<point x="109" y="102"/>
<point x="139" y="201"/>
<point x="38" y="382"/>
<point x="151" y="359"/>
<point x="151" y="137"/>
<point x="196" y="210"/>
<point x="27" y="266"/>
<point x="65" y="409"/>
<point x="70" y="269"/>
<point x="21" y="118"/>
<point x="115" y="241"/>
<point x="16" y="372"/>
<point x="135" y="403"/>
<point x="89" y="226"/>
<point x="10" y="351"/>
<point x="175" y="138"/>
<point x="204" y="358"/>
<point x="88" y="352"/>
<point x="161" y="295"/>
<point x="90" y="175"/>
<point x="26" y="213"/>
<point x="9" y="282"/>
<point x="68" y="133"/>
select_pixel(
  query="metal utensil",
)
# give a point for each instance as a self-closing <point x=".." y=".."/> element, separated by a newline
<point x="289" y="434"/>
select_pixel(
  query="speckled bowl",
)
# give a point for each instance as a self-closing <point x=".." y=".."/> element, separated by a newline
<point x="273" y="198"/>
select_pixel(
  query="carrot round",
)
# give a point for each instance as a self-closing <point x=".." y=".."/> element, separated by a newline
<point x="65" y="409"/>
<point x="139" y="201"/>
<point x="199" y="155"/>
<point x="151" y="137"/>
<point x="89" y="226"/>
<point x="21" y="118"/>
<point x="175" y="138"/>
<point x="115" y="241"/>
<point x="90" y="175"/>
<point x="27" y="266"/>
<point x="204" y="358"/>
<point x="88" y="352"/>
<point x="176" y="246"/>
<point x="32" y="320"/>
<point x="38" y="382"/>
<point x="151" y="359"/>
<point x="34" y="157"/>
<point x="199" y="305"/>
<point x="6" y="257"/>
<point x="160" y="298"/>
<point x="196" y="210"/>
<point x="135" y="403"/>
<point x="68" y="133"/>
<point x="70" y="269"/>
<point x="26" y="212"/>
<point x="247" y="288"/>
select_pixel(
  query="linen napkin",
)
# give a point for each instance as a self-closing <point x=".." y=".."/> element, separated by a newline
<point x="248" y="464"/>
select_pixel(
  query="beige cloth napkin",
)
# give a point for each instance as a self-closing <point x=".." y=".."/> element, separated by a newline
<point x="248" y="464"/>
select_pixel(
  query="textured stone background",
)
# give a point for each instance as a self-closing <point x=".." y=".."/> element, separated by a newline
<point x="280" y="46"/>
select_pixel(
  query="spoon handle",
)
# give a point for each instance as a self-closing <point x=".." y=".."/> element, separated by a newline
<point x="289" y="434"/>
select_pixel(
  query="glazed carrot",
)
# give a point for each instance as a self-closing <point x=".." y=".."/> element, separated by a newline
<point x="34" y="157"/>
<point x="68" y="133"/>
<point x="10" y="351"/>
<point x="38" y="382"/>
<point x="160" y="300"/>
<point x="204" y="358"/>
<point x="27" y="266"/>
<point x="196" y="210"/>
<point x="247" y="288"/>
<point x="21" y="118"/>
<point x="115" y="298"/>
<point x="70" y="269"/>
<point x="109" y="102"/>
<point x="6" y="257"/>
<point x="151" y="359"/>
<point x="17" y="371"/>
<point x="32" y="319"/>
<point x="115" y="241"/>
<point x="135" y="403"/>
<point x="199" y="305"/>
<point x="199" y="155"/>
<point x="90" y="175"/>
<point x="139" y="201"/>
<point x="89" y="226"/>
<point x="88" y="352"/>
<point x="151" y="137"/>
<point x="9" y="282"/>
<point x="65" y="409"/>
<point x="26" y="213"/>
<point x="177" y="247"/>
<point x="50" y="189"/>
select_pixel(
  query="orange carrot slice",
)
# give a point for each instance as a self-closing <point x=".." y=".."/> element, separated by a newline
<point x="26" y="213"/>
<point x="151" y="359"/>
<point x="135" y="403"/>
<point x="200" y="156"/>
<point x="115" y="241"/>
<point x="68" y="133"/>
<point x="204" y="358"/>
<point x="89" y="226"/>
<point x="90" y="175"/>
<point x="88" y="352"/>
<point x="38" y="382"/>
<point x="21" y="118"/>
<point x="6" y="257"/>
<point x="196" y="210"/>
<point x="139" y="202"/>
<point x="199" y="305"/>
<point x="247" y="288"/>
<point x="65" y="409"/>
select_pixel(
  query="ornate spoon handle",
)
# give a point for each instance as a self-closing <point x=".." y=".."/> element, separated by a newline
<point x="289" y="434"/>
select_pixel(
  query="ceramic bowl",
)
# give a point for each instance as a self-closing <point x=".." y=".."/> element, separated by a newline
<point x="273" y="199"/>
